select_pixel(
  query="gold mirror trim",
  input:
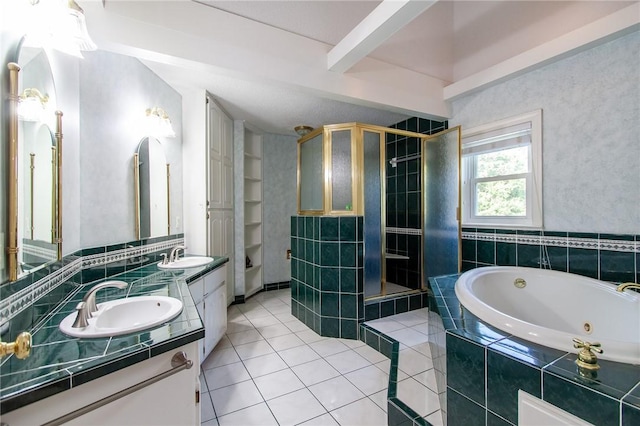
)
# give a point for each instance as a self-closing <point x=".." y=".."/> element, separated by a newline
<point x="168" y="200"/>
<point x="12" y="243"/>
<point x="58" y="185"/>
<point x="136" y="195"/>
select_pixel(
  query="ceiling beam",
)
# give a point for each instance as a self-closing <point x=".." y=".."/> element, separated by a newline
<point x="384" y="21"/>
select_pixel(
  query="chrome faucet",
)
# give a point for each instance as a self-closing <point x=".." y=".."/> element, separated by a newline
<point x="174" y="255"/>
<point x="624" y="286"/>
<point x="88" y="305"/>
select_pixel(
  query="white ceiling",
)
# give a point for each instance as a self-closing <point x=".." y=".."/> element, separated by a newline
<point x="449" y="42"/>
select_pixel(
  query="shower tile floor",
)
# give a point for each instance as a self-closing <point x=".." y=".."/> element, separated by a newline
<point x="271" y="369"/>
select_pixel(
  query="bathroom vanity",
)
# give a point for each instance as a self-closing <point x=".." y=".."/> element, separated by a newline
<point x="123" y="379"/>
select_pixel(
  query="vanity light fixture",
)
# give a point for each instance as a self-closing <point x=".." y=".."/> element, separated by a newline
<point x="32" y="105"/>
<point x="60" y="24"/>
<point x="158" y="123"/>
<point x="303" y="130"/>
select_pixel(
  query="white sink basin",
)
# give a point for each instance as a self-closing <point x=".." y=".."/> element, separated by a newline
<point x="187" y="262"/>
<point x="125" y="316"/>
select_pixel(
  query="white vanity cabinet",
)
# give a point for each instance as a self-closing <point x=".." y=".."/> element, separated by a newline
<point x="209" y="294"/>
<point x="173" y="400"/>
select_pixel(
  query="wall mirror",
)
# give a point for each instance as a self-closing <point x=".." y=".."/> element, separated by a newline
<point x="35" y="235"/>
<point x="152" y="198"/>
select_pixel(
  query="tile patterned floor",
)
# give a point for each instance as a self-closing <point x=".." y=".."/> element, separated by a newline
<point x="271" y="369"/>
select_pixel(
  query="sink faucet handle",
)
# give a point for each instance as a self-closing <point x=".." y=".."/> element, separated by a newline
<point x="165" y="260"/>
<point x="82" y="319"/>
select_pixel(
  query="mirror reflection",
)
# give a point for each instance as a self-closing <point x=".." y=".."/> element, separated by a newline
<point x="37" y="161"/>
<point x="152" y="189"/>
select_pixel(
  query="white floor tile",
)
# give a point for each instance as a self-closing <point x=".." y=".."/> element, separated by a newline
<point x="323" y="420"/>
<point x="410" y="319"/>
<point x="249" y="306"/>
<point x="206" y="407"/>
<point x="297" y="326"/>
<point x="360" y="413"/>
<point x="385" y="366"/>
<point x="280" y="309"/>
<point x="428" y="379"/>
<point x="212" y="422"/>
<point x="298" y="355"/>
<point x="369" y="379"/>
<point x="421" y="328"/>
<point x="435" y="419"/>
<point x="220" y="357"/>
<point x="380" y="398"/>
<point x="238" y="326"/>
<point x="287" y="341"/>
<point x="347" y="361"/>
<point x="265" y="364"/>
<point x="223" y="343"/>
<point x="385" y="325"/>
<point x="274" y="330"/>
<point x="315" y="372"/>
<point x="279" y="383"/>
<point x="226" y="375"/>
<point x="328" y="347"/>
<point x="353" y="343"/>
<point x="408" y="336"/>
<point x="370" y="354"/>
<point x="245" y="337"/>
<point x="285" y="317"/>
<point x="295" y="407"/>
<point x="309" y="336"/>
<point x="256" y="415"/>
<point x="257" y="313"/>
<point x="335" y="393"/>
<point x="423" y="348"/>
<point x="235" y="397"/>
<point x="422" y="400"/>
<point x="413" y="362"/>
<point x="265" y="321"/>
<point x="253" y="349"/>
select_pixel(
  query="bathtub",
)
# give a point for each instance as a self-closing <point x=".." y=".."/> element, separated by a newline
<point x="554" y="307"/>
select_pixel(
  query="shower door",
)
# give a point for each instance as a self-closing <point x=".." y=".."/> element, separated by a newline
<point x="441" y="204"/>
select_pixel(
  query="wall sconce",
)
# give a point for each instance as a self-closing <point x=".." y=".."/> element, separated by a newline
<point x="158" y="124"/>
<point x="32" y="105"/>
<point x="60" y="24"/>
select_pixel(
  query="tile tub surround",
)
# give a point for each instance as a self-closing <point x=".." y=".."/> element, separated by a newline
<point x="327" y="274"/>
<point x="607" y="257"/>
<point x="58" y="362"/>
<point x="484" y="368"/>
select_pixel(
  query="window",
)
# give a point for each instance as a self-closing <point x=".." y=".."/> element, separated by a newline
<point x="502" y="173"/>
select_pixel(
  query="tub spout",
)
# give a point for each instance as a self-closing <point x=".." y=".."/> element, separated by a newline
<point x="622" y="287"/>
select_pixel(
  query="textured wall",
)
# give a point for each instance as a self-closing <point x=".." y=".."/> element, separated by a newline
<point x="279" y="161"/>
<point x="115" y="91"/>
<point x="591" y="122"/>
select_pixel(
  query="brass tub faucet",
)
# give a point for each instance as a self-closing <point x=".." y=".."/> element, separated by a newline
<point x="622" y="287"/>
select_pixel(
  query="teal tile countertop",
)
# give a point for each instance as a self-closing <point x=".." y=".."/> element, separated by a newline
<point x="59" y="362"/>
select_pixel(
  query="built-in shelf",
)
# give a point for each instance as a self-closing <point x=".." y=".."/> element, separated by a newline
<point x="253" y="211"/>
<point x="395" y="256"/>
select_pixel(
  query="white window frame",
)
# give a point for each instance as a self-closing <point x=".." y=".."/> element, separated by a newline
<point x="478" y="137"/>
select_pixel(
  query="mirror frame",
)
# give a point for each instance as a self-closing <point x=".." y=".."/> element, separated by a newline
<point x="12" y="192"/>
<point x="136" y="193"/>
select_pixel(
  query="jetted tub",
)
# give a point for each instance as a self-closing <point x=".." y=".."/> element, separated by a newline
<point x="554" y="307"/>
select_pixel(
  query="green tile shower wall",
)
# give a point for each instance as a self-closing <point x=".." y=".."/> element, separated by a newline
<point x="608" y="257"/>
<point x="327" y="274"/>
<point x="403" y="200"/>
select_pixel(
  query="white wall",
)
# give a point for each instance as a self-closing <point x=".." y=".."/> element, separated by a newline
<point x="591" y="128"/>
<point x="115" y="91"/>
<point x="279" y="163"/>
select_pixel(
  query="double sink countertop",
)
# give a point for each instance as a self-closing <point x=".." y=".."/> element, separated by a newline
<point x="58" y="362"/>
